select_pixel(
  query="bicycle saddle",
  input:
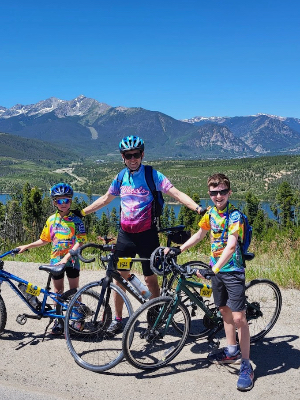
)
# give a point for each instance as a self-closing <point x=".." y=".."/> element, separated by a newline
<point x="55" y="270"/>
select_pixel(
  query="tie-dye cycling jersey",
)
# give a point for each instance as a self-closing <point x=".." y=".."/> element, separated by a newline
<point x="215" y="221"/>
<point x="63" y="233"/>
<point x="136" y="198"/>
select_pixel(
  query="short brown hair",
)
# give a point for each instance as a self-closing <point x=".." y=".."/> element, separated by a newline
<point x="218" y="179"/>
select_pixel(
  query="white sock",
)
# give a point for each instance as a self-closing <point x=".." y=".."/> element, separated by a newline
<point x="232" y="349"/>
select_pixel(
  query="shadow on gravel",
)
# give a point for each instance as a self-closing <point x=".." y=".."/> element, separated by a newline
<point x="275" y="355"/>
<point x="27" y="338"/>
<point x="271" y="356"/>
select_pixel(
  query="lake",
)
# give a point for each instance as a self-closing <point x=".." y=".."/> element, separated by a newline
<point x="116" y="203"/>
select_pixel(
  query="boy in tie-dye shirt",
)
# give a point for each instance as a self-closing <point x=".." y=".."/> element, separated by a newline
<point x="65" y="231"/>
<point x="225" y="225"/>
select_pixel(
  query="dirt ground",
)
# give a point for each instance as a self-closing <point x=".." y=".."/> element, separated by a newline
<point x="33" y="369"/>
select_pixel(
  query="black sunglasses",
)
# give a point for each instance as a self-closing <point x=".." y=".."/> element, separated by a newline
<point x="220" y="192"/>
<point x="133" y="155"/>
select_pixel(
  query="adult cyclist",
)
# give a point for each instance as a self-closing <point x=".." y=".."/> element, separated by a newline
<point x="138" y="234"/>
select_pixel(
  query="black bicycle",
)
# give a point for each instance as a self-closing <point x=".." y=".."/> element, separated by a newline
<point x="97" y="350"/>
<point x="156" y="333"/>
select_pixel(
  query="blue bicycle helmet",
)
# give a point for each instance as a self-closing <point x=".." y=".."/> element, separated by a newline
<point x="61" y="189"/>
<point x="131" y="143"/>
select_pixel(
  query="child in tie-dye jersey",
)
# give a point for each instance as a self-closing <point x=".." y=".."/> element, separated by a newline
<point x="65" y="231"/>
<point x="225" y="225"/>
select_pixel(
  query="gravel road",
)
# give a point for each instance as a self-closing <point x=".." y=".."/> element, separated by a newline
<point x="34" y="370"/>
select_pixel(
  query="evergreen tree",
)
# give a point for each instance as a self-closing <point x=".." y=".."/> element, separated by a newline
<point x="114" y="221"/>
<point x="172" y="217"/>
<point x="251" y="207"/>
<point x="284" y="203"/>
<point x="164" y="219"/>
<point x="32" y="211"/>
<point x="13" y="231"/>
<point x="102" y="228"/>
<point x="2" y="212"/>
<point x="259" y="224"/>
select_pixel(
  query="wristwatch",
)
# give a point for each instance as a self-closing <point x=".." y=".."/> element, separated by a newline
<point x="197" y="209"/>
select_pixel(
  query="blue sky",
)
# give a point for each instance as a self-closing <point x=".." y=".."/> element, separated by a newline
<point x="181" y="57"/>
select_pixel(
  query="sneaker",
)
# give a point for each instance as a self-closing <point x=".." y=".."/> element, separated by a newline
<point x="57" y="328"/>
<point x="78" y="326"/>
<point x="222" y="357"/>
<point x="115" y="327"/>
<point x="246" y="376"/>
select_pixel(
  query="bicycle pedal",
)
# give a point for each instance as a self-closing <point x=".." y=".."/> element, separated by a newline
<point x="21" y="319"/>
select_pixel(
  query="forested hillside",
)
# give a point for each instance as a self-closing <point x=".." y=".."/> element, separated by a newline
<point x="261" y="176"/>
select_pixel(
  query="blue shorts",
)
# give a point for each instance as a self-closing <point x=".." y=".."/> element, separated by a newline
<point x="143" y="244"/>
<point x="229" y="290"/>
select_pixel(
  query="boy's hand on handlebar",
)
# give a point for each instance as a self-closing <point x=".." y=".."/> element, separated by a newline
<point x="21" y="249"/>
<point x="172" y="251"/>
<point x="204" y="273"/>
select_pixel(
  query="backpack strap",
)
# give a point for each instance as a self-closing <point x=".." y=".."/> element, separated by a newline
<point x="150" y="180"/>
<point x="120" y="177"/>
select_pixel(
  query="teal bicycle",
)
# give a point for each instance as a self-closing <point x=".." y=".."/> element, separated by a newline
<point x="156" y="333"/>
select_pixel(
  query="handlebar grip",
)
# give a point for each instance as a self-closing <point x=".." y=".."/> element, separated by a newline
<point x="205" y="273"/>
<point x="80" y="249"/>
<point x="15" y="251"/>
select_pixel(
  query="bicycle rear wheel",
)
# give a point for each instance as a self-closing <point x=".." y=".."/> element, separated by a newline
<point x="3" y="315"/>
<point x="149" y="342"/>
<point x="200" y="324"/>
<point x="91" y="346"/>
<point x="263" y="307"/>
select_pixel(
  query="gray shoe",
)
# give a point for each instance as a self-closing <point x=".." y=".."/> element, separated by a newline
<point x="115" y="327"/>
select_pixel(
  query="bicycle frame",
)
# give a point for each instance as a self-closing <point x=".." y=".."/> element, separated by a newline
<point x="44" y="310"/>
<point x="39" y="313"/>
<point x="112" y="273"/>
<point x="183" y="287"/>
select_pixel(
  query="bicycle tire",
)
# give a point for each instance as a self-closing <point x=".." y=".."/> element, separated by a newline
<point x="264" y="302"/>
<point x="146" y="348"/>
<point x="3" y="315"/>
<point x="93" y="348"/>
<point x="200" y="325"/>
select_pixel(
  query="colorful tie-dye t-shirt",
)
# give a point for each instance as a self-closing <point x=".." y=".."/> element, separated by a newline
<point x="136" y="198"/>
<point x="63" y="233"/>
<point x="220" y="228"/>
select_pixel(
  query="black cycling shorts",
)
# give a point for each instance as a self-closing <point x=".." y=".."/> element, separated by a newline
<point x="143" y="244"/>
<point x="70" y="271"/>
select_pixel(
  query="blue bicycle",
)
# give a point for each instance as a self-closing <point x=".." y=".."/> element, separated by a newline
<point x="41" y="301"/>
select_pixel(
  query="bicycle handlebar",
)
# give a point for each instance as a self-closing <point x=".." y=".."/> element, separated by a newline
<point x="12" y="252"/>
<point x="162" y="264"/>
<point x="102" y="247"/>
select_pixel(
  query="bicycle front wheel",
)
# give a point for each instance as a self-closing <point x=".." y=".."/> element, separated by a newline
<point x="150" y="340"/>
<point x="263" y="300"/>
<point x="3" y="315"/>
<point x="91" y="346"/>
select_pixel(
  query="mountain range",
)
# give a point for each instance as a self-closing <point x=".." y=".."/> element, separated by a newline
<point x="84" y="127"/>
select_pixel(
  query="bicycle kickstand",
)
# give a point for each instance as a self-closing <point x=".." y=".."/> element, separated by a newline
<point x="50" y="322"/>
